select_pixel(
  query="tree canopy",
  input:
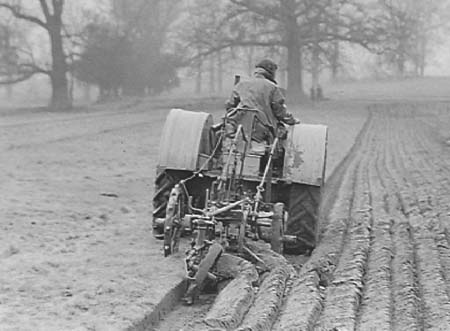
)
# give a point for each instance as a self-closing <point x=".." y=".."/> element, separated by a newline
<point x="137" y="47"/>
<point x="126" y="55"/>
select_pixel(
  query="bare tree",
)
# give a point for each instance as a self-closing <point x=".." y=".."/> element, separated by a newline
<point x="290" y="24"/>
<point x="400" y="34"/>
<point x="410" y="27"/>
<point x="200" y="34"/>
<point x="146" y="24"/>
<point x="432" y="17"/>
<point x="8" y="55"/>
<point x="52" y="11"/>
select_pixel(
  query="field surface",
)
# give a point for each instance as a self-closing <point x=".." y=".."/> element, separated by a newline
<point x="76" y="250"/>
<point x="384" y="259"/>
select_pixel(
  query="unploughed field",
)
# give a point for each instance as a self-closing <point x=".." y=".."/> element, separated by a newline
<point x="76" y="250"/>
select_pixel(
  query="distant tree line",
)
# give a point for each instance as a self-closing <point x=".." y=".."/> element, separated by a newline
<point x="409" y="27"/>
<point x="125" y="55"/>
<point x="308" y="34"/>
<point x="138" y="46"/>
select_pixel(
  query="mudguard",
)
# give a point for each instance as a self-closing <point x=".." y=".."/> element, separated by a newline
<point x="305" y="154"/>
<point x="186" y="135"/>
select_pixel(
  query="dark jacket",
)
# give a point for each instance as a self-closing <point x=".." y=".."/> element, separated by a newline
<point x="262" y="94"/>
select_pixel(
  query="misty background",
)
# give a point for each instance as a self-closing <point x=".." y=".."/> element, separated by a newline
<point x="63" y="53"/>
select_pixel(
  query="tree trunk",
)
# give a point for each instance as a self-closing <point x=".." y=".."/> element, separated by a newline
<point x="212" y="75"/>
<point x="315" y="59"/>
<point x="71" y="83"/>
<point x="250" y="64"/>
<point x="8" y="91"/>
<point x="198" y="78"/>
<point x="401" y="57"/>
<point x="295" y="91"/>
<point x="86" y="92"/>
<point x="282" y="73"/>
<point x="335" y="61"/>
<point x="335" y="56"/>
<point x="422" y="55"/>
<point x="401" y="65"/>
<point x="282" y="77"/>
<point x="294" y="68"/>
<point x="422" y="69"/>
<point x="219" y="72"/>
<point x="60" y="88"/>
<point x="7" y="47"/>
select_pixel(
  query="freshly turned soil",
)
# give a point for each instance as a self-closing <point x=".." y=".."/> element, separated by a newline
<point x="77" y="253"/>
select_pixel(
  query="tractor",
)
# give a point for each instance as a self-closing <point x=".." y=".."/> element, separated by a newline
<point x="224" y="189"/>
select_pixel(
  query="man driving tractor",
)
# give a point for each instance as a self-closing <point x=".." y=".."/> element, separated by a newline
<point x="261" y="93"/>
<point x="210" y="179"/>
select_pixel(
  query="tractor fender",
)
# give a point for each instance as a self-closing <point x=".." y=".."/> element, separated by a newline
<point x="305" y="154"/>
<point x="186" y="135"/>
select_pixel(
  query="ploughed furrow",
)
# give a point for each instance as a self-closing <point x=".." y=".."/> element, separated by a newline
<point x="440" y="201"/>
<point x="248" y="301"/>
<point x="383" y="262"/>
<point x="392" y="271"/>
<point x="406" y="314"/>
<point x="434" y="193"/>
<point x="304" y="304"/>
<point x="444" y="256"/>
<point x="278" y="300"/>
<point x="440" y="174"/>
<point x="376" y="304"/>
<point x="236" y="298"/>
<point x="343" y="294"/>
<point x="433" y="256"/>
<point x="265" y="309"/>
<point x="416" y="205"/>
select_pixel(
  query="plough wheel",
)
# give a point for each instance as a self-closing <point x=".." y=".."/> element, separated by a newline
<point x="165" y="181"/>
<point x="173" y="221"/>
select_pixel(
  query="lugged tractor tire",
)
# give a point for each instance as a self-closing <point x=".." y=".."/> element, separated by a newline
<point x="303" y="220"/>
<point x="164" y="182"/>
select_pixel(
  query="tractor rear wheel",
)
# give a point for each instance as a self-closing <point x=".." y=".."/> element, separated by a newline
<point x="303" y="220"/>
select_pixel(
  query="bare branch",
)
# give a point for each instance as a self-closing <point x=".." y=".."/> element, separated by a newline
<point x="34" y="68"/>
<point x="234" y="14"/>
<point x="23" y="72"/>
<point x="45" y="9"/>
<point x="230" y="44"/>
<point x="15" y="80"/>
<point x="16" y="11"/>
<point x="252" y="7"/>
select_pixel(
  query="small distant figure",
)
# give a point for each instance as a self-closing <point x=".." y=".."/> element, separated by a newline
<point x="319" y="93"/>
<point x="312" y="94"/>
